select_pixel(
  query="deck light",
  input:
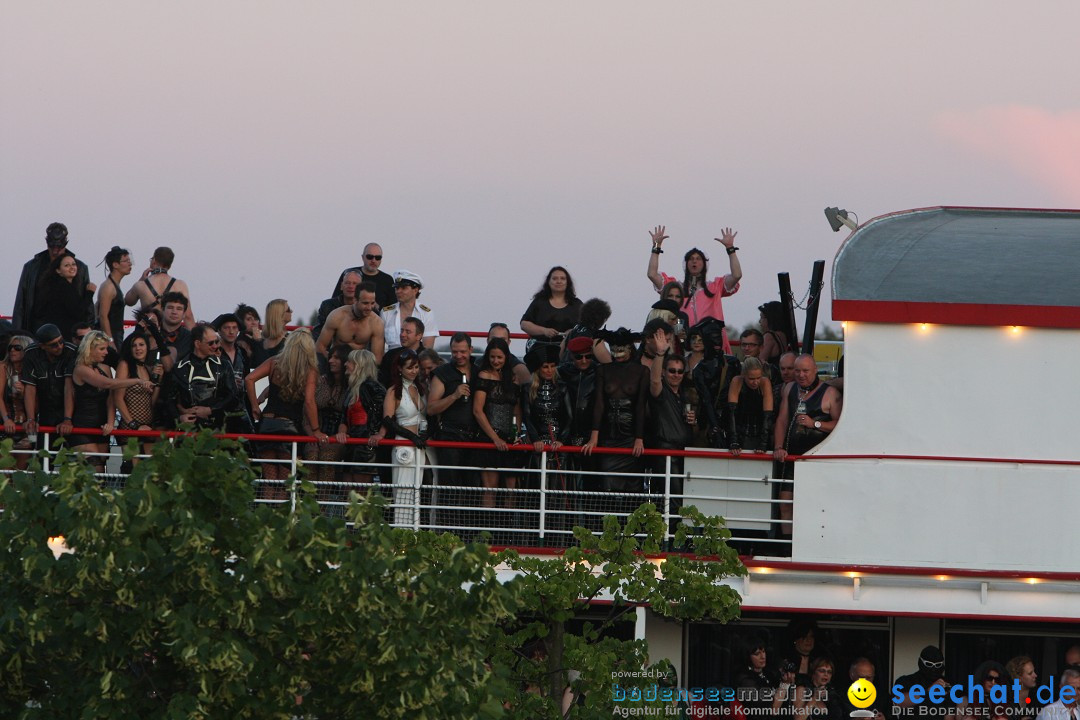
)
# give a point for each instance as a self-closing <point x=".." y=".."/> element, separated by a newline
<point x="839" y="218"/>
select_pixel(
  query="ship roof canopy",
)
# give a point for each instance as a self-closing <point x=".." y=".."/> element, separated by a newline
<point x="962" y="266"/>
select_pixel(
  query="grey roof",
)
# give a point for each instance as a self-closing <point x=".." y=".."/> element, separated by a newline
<point x="963" y="255"/>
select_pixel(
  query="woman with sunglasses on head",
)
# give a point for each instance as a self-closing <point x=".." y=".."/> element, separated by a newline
<point x="91" y="385"/>
<point x="12" y="406"/>
<point x="701" y="295"/>
<point x="405" y="412"/>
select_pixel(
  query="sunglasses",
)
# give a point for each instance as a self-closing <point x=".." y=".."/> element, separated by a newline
<point x="675" y="371"/>
<point x="582" y="356"/>
<point x="213" y="343"/>
<point x="20" y="348"/>
<point x="934" y="665"/>
<point x="991" y="678"/>
<point x="373" y="257"/>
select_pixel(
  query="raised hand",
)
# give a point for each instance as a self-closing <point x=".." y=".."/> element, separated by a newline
<point x="657" y="235"/>
<point x="727" y="237"/>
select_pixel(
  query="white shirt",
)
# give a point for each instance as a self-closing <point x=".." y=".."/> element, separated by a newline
<point x="1057" y="711"/>
<point x="391" y="316"/>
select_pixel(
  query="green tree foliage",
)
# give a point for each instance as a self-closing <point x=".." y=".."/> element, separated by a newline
<point x="185" y="599"/>
<point x="620" y="567"/>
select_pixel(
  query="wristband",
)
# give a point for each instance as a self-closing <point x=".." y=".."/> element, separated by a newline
<point x="731" y="250"/>
<point x="656" y="250"/>
<point x="66" y="419"/>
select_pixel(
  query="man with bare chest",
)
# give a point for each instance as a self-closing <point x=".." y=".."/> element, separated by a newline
<point x="356" y="325"/>
<point x="156" y="283"/>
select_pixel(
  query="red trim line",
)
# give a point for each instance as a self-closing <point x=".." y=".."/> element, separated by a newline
<point x="942" y="458"/>
<point x="752" y="563"/>
<point x="886" y="613"/>
<point x="943" y="313"/>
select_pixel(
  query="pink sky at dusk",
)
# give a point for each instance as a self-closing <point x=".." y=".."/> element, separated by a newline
<point x="1042" y="144"/>
<point x="483" y="142"/>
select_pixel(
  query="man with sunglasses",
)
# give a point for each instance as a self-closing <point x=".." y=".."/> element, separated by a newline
<point x="407" y="287"/>
<point x="671" y="415"/>
<point x="56" y="241"/>
<point x="202" y="389"/>
<point x="931" y="672"/>
<point x="47" y="367"/>
<point x="370" y="272"/>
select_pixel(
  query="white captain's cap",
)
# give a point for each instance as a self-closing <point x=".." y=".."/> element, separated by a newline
<point x="406" y="276"/>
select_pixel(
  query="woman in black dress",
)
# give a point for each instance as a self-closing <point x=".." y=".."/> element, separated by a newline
<point x="554" y="309"/>
<point x="497" y="409"/>
<point x="90" y="386"/>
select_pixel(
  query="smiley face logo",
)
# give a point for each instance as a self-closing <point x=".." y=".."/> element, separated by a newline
<point x="862" y="693"/>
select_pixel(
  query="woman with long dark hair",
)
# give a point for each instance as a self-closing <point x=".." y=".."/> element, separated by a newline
<point x="405" y="412"/>
<point x="702" y="295"/>
<point x="329" y="389"/>
<point x="136" y="403"/>
<point x="59" y="298"/>
<point x="554" y="308"/>
<point x="497" y="409"/>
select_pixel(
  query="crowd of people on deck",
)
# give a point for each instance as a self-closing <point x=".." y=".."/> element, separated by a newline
<point x="806" y="681"/>
<point x="368" y="370"/>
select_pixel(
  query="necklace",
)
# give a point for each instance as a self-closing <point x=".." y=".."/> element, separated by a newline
<point x="803" y="394"/>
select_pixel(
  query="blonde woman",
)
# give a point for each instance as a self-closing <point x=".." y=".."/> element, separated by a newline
<point x="89" y="389"/>
<point x="362" y="413"/>
<point x="290" y="400"/>
<point x="278" y="316"/>
<point x="12" y="407"/>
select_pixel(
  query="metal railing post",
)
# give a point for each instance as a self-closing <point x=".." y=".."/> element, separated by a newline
<point x="417" y="483"/>
<point x="48" y="445"/>
<point x="543" y="491"/>
<point x="292" y="485"/>
<point x="667" y="497"/>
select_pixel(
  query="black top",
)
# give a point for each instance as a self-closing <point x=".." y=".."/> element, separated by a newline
<point x="116" y="314"/>
<point x="384" y="286"/>
<point x="63" y="304"/>
<point x="667" y="420"/>
<point x="91" y="404"/>
<point x="622" y="381"/>
<point x="541" y="312"/>
<point x="47" y="374"/>
<point x="458" y="416"/>
<point x="205" y="382"/>
<point x="499" y="404"/>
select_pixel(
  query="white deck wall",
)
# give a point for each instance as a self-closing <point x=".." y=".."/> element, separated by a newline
<point x="958" y="392"/>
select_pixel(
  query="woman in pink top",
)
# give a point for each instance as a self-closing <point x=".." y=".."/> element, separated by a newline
<point x="702" y="295"/>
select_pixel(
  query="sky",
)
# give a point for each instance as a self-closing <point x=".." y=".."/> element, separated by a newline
<point x="481" y="143"/>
